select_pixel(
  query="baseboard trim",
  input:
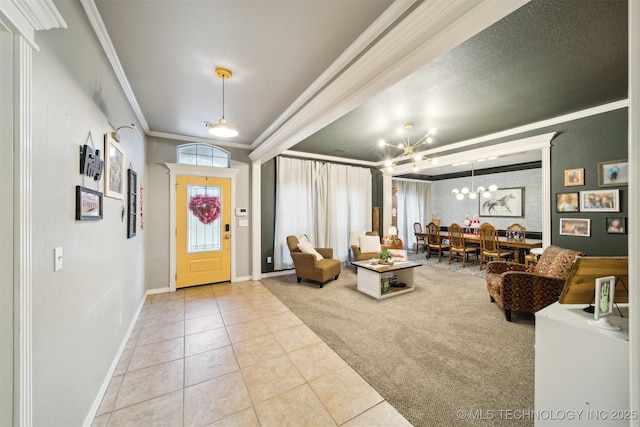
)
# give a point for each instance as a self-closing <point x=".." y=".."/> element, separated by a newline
<point x="88" y="421"/>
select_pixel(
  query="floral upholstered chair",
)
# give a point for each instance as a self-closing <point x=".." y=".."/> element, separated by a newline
<point x="516" y="287"/>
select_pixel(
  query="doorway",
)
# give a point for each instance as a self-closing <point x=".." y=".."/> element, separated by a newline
<point x="203" y="230"/>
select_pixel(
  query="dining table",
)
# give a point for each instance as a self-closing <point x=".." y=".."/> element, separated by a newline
<point x="520" y="245"/>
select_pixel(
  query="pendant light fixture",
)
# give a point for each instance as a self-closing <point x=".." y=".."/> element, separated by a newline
<point x="472" y="194"/>
<point x="222" y="128"/>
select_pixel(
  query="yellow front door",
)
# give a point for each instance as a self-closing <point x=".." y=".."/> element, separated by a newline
<point x="203" y="236"/>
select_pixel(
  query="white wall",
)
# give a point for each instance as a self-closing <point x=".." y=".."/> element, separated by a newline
<point x="76" y="332"/>
<point x="449" y="209"/>
<point x="156" y="200"/>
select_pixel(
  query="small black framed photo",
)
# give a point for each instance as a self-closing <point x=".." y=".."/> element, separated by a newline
<point x="88" y="204"/>
<point x="615" y="224"/>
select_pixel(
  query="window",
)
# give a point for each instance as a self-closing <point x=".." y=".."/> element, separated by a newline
<point x="203" y="155"/>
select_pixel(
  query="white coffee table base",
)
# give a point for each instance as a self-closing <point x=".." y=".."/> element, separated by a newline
<point x="370" y="281"/>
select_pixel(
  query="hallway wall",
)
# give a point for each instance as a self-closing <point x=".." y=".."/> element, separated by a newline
<point x="80" y="313"/>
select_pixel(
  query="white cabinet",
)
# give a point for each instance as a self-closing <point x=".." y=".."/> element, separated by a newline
<point x="581" y="370"/>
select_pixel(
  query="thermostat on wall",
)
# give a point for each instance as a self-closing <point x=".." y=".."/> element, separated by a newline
<point x="241" y="211"/>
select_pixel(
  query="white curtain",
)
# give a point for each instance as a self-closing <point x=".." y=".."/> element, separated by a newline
<point x="413" y="205"/>
<point x="325" y="201"/>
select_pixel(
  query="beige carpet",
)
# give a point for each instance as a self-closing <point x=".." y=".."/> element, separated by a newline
<point x="431" y="353"/>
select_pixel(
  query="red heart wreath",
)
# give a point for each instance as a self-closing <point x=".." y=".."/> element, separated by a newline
<point x="206" y="208"/>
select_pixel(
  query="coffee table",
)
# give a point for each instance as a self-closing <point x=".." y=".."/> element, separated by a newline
<point x="371" y="278"/>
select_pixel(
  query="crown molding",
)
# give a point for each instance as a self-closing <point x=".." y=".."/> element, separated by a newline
<point x="103" y="36"/>
<point x="424" y="34"/>
<point x="25" y="17"/>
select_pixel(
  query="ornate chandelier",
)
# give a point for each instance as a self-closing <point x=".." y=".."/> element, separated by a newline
<point x="408" y="149"/>
<point x="472" y="194"/>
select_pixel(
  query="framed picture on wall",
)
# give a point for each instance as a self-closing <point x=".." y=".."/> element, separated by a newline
<point x="575" y="227"/>
<point x="615" y="224"/>
<point x="507" y="202"/>
<point x="600" y="201"/>
<point x="114" y="168"/>
<point x="613" y="173"/>
<point x="88" y="204"/>
<point x="568" y="202"/>
<point x="573" y="177"/>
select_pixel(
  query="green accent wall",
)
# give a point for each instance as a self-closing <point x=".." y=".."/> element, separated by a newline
<point x="582" y="144"/>
<point x="268" y="212"/>
<point x="579" y="144"/>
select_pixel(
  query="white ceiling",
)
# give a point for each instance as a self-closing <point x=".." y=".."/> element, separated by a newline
<point x="331" y="77"/>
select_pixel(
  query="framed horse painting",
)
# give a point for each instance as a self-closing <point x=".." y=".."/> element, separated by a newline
<point x="503" y="202"/>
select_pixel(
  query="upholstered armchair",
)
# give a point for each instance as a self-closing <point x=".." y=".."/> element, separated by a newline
<point x="516" y="287"/>
<point x="366" y="248"/>
<point x="316" y="264"/>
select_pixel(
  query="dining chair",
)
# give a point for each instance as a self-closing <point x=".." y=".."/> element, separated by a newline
<point x="457" y="245"/>
<point x="490" y="245"/>
<point x="516" y="231"/>
<point x="434" y="242"/>
<point x="420" y="241"/>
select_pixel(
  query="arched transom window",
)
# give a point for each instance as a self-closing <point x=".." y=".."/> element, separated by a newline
<point x="203" y="155"/>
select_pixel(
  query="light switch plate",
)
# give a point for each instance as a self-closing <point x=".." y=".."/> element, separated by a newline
<point x="57" y="259"/>
<point x="243" y="223"/>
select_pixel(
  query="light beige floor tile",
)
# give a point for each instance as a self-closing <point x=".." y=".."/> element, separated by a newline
<point x="101" y="420"/>
<point x="247" y="330"/>
<point x="168" y="296"/>
<point x="255" y="350"/>
<point x="201" y="324"/>
<point x="381" y="415"/>
<point x="156" y="353"/>
<point x="345" y="394"/>
<point x="296" y="337"/>
<point x="110" y="395"/>
<point x="271" y="378"/>
<point x="165" y="410"/>
<point x="284" y="320"/>
<point x="199" y="308"/>
<point x="297" y="407"/>
<point x="233" y="302"/>
<point x="224" y="289"/>
<point x="213" y="400"/>
<point x="316" y="360"/>
<point x="160" y="317"/>
<point x="149" y="383"/>
<point x="161" y="332"/>
<point x="165" y="306"/>
<point x="245" y="418"/>
<point x="204" y="341"/>
<point x="123" y="363"/>
<point x="208" y="365"/>
<point x="240" y="315"/>
<point x="268" y="308"/>
<point x="195" y="292"/>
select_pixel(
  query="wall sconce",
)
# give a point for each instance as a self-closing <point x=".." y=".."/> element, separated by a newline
<point x="115" y="136"/>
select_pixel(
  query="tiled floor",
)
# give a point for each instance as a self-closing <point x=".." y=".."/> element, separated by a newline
<point x="234" y="355"/>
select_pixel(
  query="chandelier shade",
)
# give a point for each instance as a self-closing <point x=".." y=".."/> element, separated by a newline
<point x="408" y="149"/>
<point x="222" y="128"/>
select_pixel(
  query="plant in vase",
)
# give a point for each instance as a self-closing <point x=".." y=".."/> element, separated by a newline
<point x="385" y="257"/>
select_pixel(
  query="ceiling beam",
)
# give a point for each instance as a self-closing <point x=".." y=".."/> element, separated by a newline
<point x="431" y="29"/>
